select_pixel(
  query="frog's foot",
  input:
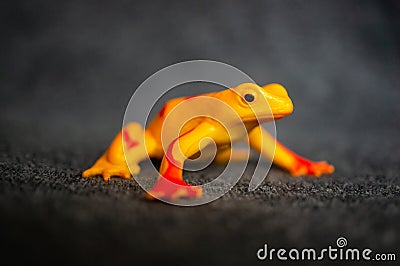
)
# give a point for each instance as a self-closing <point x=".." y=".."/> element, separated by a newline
<point x="307" y="167"/>
<point x="106" y="169"/>
<point x="173" y="190"/>
<point x="107" y="172"/>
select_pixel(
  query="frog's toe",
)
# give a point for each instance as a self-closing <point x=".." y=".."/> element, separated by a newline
<point x="312" y="168"/>
<point x="168" y="190"/>
<point x="117" y="171"/>
<point x="183" y="192"/>
<point x="91" y="172"/>
<point x="323" y="167"/>
<point x="106" y="176"/>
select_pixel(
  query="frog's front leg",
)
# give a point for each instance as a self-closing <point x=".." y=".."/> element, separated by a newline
<point x="286" y="159"/>
<point x="170" y="184"/>
<point x="114" y="162"/>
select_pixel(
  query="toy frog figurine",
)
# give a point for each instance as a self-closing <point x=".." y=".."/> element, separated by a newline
<point x="245" y="100"/>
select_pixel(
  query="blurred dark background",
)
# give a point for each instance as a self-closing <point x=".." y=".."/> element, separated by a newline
<point x="68" y="69"/>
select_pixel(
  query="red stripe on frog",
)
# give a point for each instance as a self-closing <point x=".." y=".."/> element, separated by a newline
<point x="174" y="167"/>
<point x="129" y="142"/>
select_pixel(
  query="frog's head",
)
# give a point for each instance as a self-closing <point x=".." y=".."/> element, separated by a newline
<point x="250" y="101"/>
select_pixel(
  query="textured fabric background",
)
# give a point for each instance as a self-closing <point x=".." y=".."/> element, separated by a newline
<point x="68" y="69"/>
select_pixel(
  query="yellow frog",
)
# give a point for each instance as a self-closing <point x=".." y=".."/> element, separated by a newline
<point x="247" y="100"/>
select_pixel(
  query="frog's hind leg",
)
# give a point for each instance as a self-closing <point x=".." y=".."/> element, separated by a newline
<point x="138" y="145"/>
<point x="226" y="154"/>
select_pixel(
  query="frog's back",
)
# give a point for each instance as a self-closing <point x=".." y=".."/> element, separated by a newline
<point x="156" y="124"/>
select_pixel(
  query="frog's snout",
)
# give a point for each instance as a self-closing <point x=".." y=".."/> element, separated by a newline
<point x="289" y="106"/>
<point x="282" y="109"/>
<point x="280" y="103"/>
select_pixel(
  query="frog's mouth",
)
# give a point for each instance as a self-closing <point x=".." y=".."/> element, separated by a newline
<point x="281" y="115"/>
<point x="263" y="117"/>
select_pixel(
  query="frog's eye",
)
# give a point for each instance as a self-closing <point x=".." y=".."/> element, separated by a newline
<point x="249" y="97"/>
